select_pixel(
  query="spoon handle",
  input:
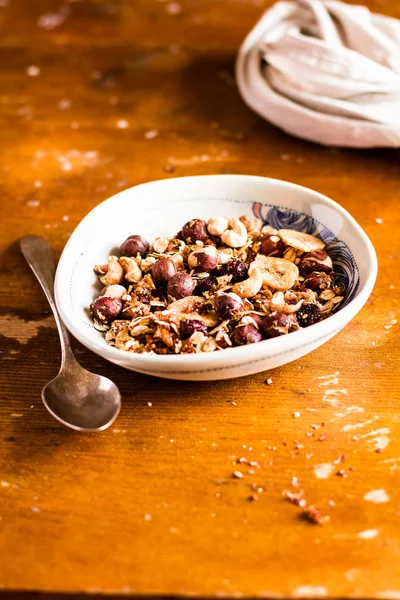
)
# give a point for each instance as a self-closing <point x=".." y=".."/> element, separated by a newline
<point x="39" y="257"/>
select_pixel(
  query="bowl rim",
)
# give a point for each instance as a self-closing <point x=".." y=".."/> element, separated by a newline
<point x="265" y="348"/>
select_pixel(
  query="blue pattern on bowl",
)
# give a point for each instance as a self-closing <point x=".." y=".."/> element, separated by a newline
<point x="347" y="273"/>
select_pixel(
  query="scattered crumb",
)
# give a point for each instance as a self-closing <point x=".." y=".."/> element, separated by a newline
<point x="65" y="218"/>
<point x="51" y="20"/>
<point x="342" y="473"/>
<point x="296" y="498"/>
<point x="340" y="459"/>
<point x="237" y="475"/>
<point x="64" y="104"/>
<point x="379" y="221"/>
<point x="253" y="497"/>
<point x="294" y="482"/>
<point x="331" y="503"/>
<point x="323" y="471"/>
<point x="296" y="414"/>
<point x="75" y="125"/>
<point x="242" y="461"/>
<point x="32" y="71"/>
<point x="368" y="534"/>
<point x="17" y="415"/>
<point x="35" y="509"/>
<point x="256" y="488"/>
<point x="147" y="517"/>
<point x="314" y="515"/>
<point x="33" y="203"/>
<point x="37" y="184"/>
<point x="313" y="426"/>
<point x="122" y="124"/>
<point x="376" y="496"/>
<point x="4" y="484"/>
<point x="310" y="591"/>
<point x="174" y="8"/>
<point x="152" y="133"/>
<point x="169" y="168"/>
<point x="149" y="404"/>
<point x="322" y="437"/>
<point x="269" y="381"/>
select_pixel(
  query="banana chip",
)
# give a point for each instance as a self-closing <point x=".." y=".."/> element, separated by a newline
<point x="278" y="273"/>
<point x="300" y="241"/>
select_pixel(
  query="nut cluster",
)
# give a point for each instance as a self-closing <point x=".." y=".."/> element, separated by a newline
<point x="216" y="284"/>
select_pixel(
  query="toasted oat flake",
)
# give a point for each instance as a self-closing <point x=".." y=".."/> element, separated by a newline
<point x="314" y="515"/>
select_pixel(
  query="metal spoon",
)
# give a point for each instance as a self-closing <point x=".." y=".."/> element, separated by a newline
<point x="77" y="398"/>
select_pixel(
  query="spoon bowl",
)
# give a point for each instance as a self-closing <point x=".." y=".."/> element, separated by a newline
<point x="87" y="402"/>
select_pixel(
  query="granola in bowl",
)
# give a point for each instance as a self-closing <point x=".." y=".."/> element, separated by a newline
<point x="216" y="284"/>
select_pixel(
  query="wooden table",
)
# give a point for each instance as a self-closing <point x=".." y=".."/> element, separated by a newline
<point x="101" y="95"/>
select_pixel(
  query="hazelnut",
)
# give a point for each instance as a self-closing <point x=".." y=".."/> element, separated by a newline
<point x="191" y="326"/>
<point x="277" y="324"/>
<point x="318" y="282"/>
<point x="308" y="314"/>
<point x="133" y="245"/>
<point x="163" y="270"/>
<point x="228" y="305"/>
<point x="194" y="231"/>
<point x="272" y="245"/>
<point x="203" y="259"/>
<point x="105" y="309"/>
<point x="315" y="261"/>
<point x="181" y="285"/>
<point x="246" y="334"/>
<point x="237" y="268"/>
<point x="253" y="319"/>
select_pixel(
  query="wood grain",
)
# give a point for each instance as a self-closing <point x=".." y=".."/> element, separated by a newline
<point x="150" y="506"/>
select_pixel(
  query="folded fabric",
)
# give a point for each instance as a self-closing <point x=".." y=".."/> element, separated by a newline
<point x="325" y="71"/>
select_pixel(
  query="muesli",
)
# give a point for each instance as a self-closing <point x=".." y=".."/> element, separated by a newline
<point x="216" y="284"/>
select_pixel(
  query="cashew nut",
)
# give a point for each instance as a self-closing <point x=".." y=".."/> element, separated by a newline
<point x="115" y="272"/>
<point x="249" y="287"/>
<point x="278" y="304"/>
<point x="114" y="291"/>
<point x="224" y="255"/>
<point x="236" y="235"/>
<point x="252" y="225"/>
<point x="147" y="263"/>
<point x="268" y="230"/>
<point x="133" y="273"/>
<point x="217" y="225"/>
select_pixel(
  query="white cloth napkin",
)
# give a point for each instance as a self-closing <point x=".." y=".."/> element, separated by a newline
<point x="325" y="71"/>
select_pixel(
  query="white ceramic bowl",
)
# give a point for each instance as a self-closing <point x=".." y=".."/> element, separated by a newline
<point x="161" y="208"/>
